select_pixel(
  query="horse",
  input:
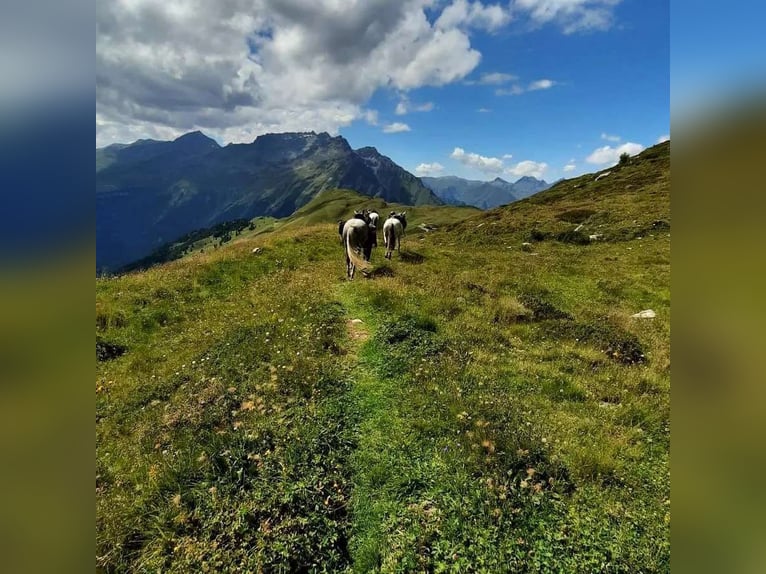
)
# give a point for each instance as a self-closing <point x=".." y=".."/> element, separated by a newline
<point x="393" y="230"/>
<point x="362" y="215"/>
<point x="356" y="238"/>
<point x="374" y="220"/>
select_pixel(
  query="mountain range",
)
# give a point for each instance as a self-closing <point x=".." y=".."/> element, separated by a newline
<point x="151" y="192"/>
<point x="483" y="194"/>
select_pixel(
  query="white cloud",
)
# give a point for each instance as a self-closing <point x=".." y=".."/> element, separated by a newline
<point x="484" y="110"/>
<point x="571" y="166"/>
<point x="474" y="14"/>
<point x="541" y="85"/>
<point x="611" y="155"/>
<point x="527" y="168"/>
<point x="663" y="138"/>
<point x="395" y="127"/>
<point x="493" y="165"/>
<point x="607" y="137"/>
<point x="514" y="90"/>
<point x="492" y="79"/>
<point x="239" y="68"/>
<point x="570" y="15"/>
<point x="489" y="165"/>
<point x="405" y="106"/>
<point x="371" y="117"/>
<point x="517" y="90"/>
<point x="433" y="169"/>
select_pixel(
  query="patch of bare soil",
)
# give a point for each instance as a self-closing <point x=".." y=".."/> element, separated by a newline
<point x="357" y="331"/>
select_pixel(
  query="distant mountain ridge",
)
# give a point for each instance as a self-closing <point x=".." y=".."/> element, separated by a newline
<point x="483" y="194"/>
<point x="151" y="192"/>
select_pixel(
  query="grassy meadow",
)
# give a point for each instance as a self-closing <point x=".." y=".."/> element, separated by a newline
<point x="484" y="402"/>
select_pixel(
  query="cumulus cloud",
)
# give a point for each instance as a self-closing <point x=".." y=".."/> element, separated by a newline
<point x="611" y="155"/>
<point x="396" y="127"/>
<point x="433" y="169"/>
<point x="663" y="138"/>
<point x="461" y="13"/>
<point x="571" y="166"/>
<point x="489" y="165"/>
<point x="570" y="15"/>
<point x="527" y="168"/>
<point x="493" y="166"/>
<point x="239" y="68"/>
<point x="609" y="138"/>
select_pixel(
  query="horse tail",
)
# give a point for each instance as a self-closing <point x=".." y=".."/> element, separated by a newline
<point x="389" y="233"/>
<point x="353" y="255"/>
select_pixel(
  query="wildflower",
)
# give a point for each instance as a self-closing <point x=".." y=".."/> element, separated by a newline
<point x="489" y="445"/>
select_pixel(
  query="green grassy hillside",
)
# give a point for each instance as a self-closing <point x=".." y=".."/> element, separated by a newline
<point x="477" y="405"/>
<point x="330" y="206"/>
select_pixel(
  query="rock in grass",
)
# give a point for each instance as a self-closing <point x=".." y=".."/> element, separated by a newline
<point x="526" y="246"/>
<point x="256" y="251"/>
<point x="645" y="314"/>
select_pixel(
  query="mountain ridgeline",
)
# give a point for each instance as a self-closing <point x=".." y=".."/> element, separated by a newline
<point x="151" y="192"/>
<point x="483" y="194"/>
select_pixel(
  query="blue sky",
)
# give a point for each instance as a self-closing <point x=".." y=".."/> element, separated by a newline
<point x="606" y="85"/>
<point x="550" y="88"/>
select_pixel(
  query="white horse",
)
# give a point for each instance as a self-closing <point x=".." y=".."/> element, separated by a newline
<point x="355" y="237"/>
<point x="374" y="220"/>
<point x="393" y="230"/>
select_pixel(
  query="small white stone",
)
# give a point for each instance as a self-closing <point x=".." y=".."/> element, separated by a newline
<point x="645" y="314"/>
